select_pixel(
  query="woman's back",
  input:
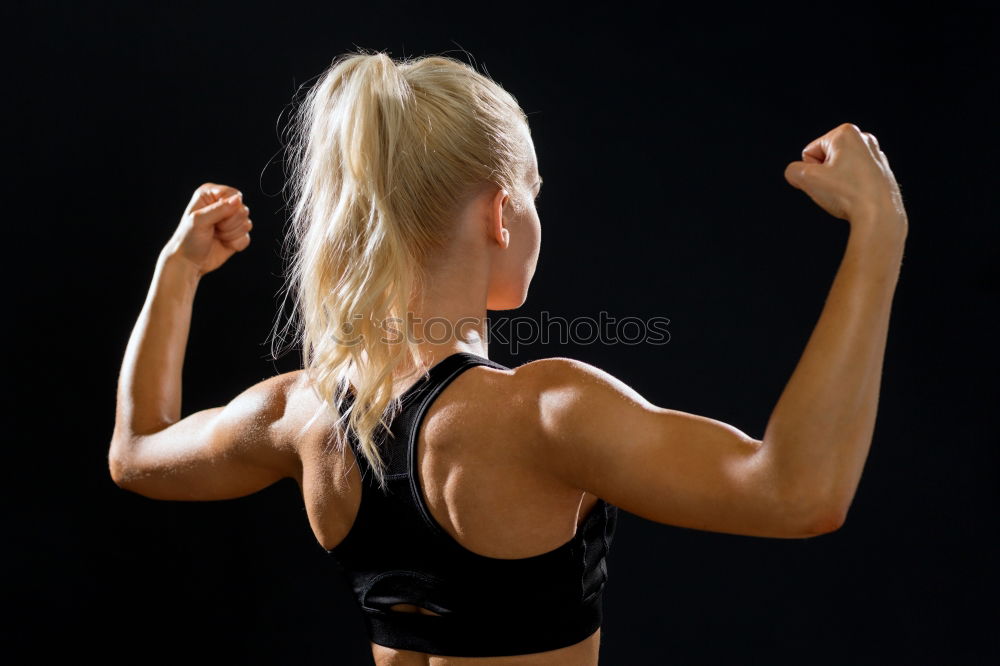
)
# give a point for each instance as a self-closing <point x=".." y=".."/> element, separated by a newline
<point x="477" y="480"/>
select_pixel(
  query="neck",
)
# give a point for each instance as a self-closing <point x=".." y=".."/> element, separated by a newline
<point x="450" y="315"/>
<point x="443" y="325"/>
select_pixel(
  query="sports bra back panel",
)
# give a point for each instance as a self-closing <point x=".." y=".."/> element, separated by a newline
<point x="395" y="552"/>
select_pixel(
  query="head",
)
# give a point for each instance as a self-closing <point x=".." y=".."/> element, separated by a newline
<point x="396" y="164"/>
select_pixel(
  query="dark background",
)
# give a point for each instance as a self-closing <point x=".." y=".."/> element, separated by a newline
<point x="662" y="139"/>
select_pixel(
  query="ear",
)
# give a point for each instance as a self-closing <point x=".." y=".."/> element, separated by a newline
<point x="496" y="223"/>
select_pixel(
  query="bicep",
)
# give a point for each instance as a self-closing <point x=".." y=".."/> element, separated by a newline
<point x="664" y="465"/>
<point x="213" y="454"/>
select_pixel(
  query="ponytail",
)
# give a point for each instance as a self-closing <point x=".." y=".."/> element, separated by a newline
<point x="383" y="156"/>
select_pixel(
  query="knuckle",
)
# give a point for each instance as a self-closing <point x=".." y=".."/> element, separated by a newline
<point x="848" y="132"/>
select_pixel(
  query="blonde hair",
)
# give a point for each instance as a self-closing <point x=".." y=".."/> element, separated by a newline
<point x="384" y="155"/>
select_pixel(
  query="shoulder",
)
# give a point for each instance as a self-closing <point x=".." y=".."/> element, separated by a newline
<point x="560" y="386"/>
<point x="518" y="399"/>
<point x="567" y="406"/>
<point x="560" y="371"/>
<point x="266" y="403"/>
<point x="298" y="406"/>
<point x="276" y="410"/>
<point x="538" y="383"/>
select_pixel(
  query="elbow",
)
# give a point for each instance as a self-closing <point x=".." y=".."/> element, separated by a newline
<point x="826" y="519"/>
<point x="809" y="514"/>
<point x="812" y="509"/>
<point x="826" y="523"/>
<point x="118" y="469"/>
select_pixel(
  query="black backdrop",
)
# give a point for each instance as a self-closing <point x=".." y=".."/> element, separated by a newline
<point x="662" y="140"/>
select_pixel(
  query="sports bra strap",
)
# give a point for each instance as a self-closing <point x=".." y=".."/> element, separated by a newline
<point x="414" y="404"/>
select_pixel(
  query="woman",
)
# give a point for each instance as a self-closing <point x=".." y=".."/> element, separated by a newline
<point x="471" y="505"/>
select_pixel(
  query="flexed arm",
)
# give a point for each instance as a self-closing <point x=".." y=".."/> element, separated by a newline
<point x="820" y="431"/>
<point x="214" y="453"/>
<point x="688" y="470"/>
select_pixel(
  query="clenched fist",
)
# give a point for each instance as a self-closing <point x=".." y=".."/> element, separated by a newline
<point x="215" y="225"/>
<point x="847" y="175"/>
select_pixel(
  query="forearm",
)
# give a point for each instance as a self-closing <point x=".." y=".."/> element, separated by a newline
<point x="819" y="434"/>
<point x="149" y="384"/>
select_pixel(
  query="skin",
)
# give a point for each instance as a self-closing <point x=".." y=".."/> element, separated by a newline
<point x="569" y="432"/>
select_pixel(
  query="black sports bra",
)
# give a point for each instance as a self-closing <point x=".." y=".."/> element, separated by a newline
<point x="395" y="552"/>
